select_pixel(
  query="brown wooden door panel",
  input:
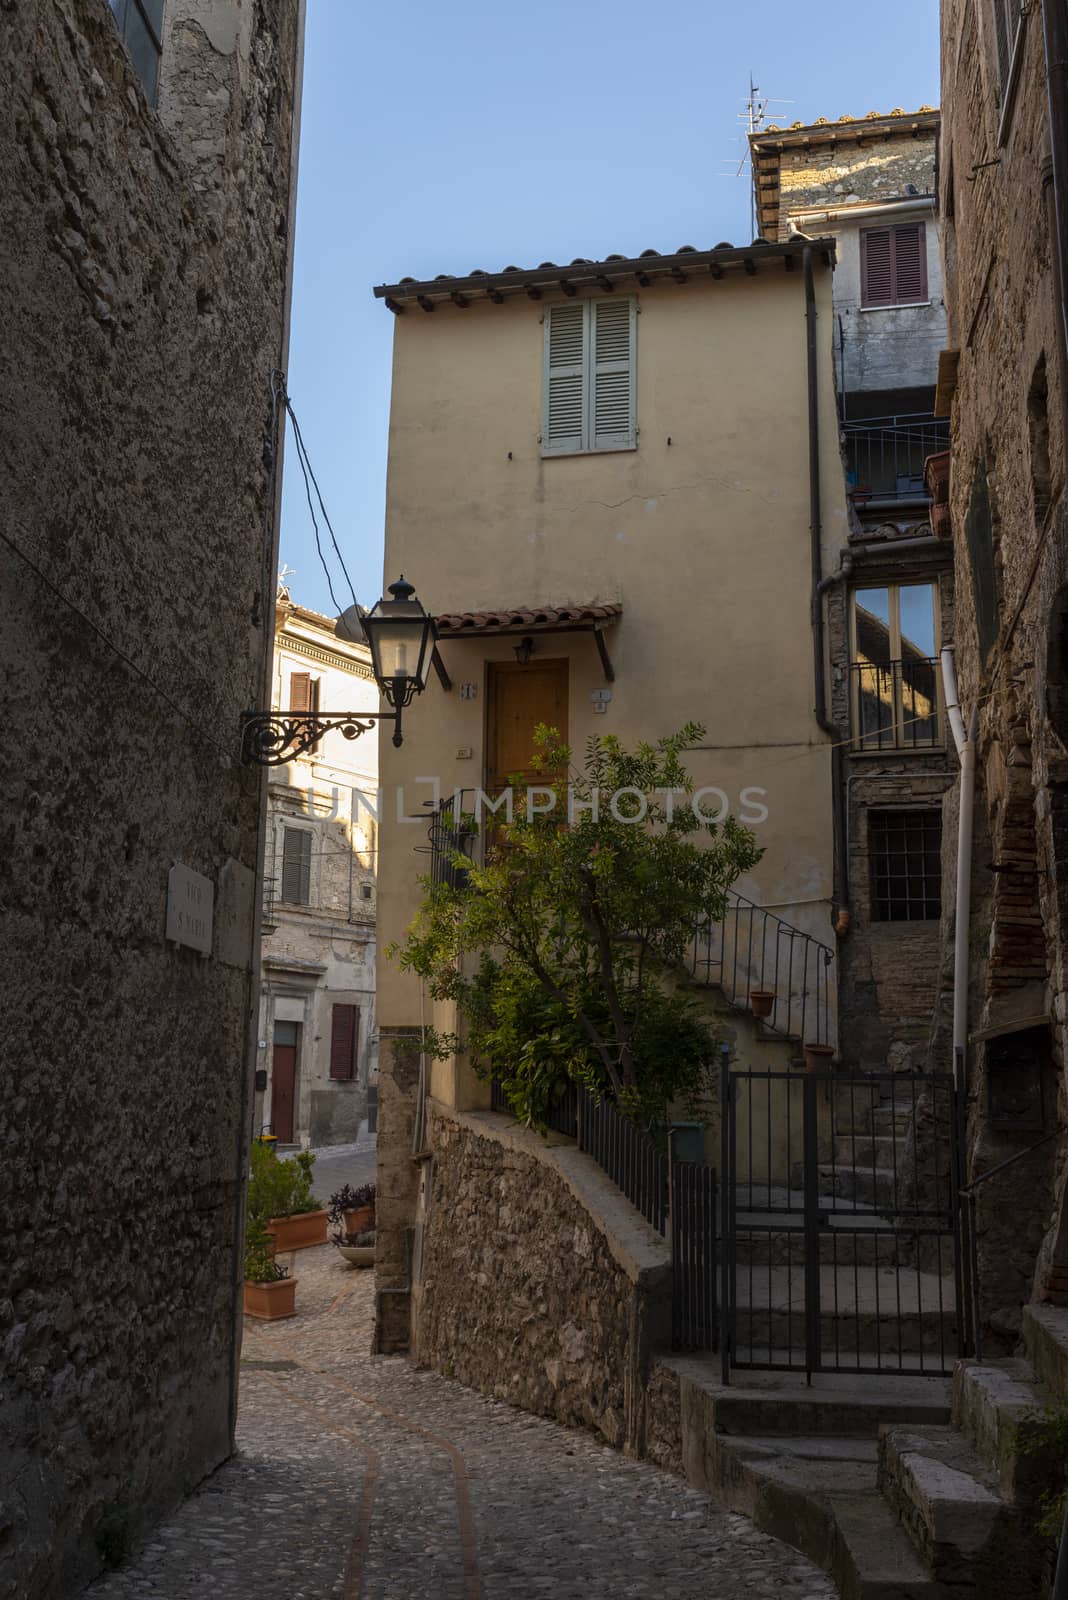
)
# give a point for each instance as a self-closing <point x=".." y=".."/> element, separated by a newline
<point x="518" y="698"/>
<point x="283" y="1084"/>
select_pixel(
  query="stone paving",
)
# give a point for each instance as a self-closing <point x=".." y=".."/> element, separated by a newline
<point x="361" y="1477"/>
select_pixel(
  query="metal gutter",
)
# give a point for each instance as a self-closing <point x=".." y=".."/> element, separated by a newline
<point x="870" y="208"/>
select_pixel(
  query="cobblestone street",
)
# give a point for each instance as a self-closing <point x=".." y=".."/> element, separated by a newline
<point x="361" y="1476"/>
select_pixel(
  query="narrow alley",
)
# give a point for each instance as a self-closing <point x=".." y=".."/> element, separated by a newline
<point x="336" y="1490"/>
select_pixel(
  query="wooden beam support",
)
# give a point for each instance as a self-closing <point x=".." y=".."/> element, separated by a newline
<point x="789" y="263"/>
<point x="460" y="300"/>
<point x="439" y="668"/>
<point x="496" y="296"/>
<point x="750" y="266"/>
<point x="568" y="288"/>
<point x="715" y="270"/>
<point x="535" y="294"/>
<point x="678" y="275"/>
<point x="644" y="279"/>
<point x="394" y="306"/>
<point x="426" y="303"/>
<point x="607" y="285"/>
<point x="606" y="660"/>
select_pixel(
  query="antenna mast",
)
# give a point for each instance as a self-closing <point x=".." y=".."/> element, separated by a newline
<point x="752" y="119"/>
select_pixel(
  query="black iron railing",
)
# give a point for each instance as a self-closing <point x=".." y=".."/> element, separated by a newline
<point x="767" y="966"/>
<point x="636" y="1162"/>
<point x="895" y="705"/>
<point x="884" y="456"/>
<point x="694" y="1215"/>
<point x="269" y="919"/>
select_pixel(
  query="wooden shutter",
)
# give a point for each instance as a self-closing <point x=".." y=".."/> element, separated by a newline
<point x="876" y="267"/>
<point x="910" y="264"/>
<point x="344" y="1041"/>
<point x="296" y="866"/>
<point x="564" y="426"/>
<point x="300" y="691"/>
<point x="612" y="374"/>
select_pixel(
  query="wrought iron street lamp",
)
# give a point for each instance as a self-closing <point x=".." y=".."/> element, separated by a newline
<point x="400" y="634"/>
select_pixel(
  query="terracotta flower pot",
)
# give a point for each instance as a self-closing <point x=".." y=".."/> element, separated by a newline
<point x="761" y="1002"/>
<point x="359" y="1220"/>
<point x="270" y="1302"/>
<point x="818" y="1057"/>
<point x="298" y="1232"/>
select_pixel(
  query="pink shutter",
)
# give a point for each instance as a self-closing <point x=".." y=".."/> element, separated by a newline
<point x="876" y="267"/>
<point x="910" y="263"/>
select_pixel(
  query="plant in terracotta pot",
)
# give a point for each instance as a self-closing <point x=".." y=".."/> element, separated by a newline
<point x="270" y="1292"/>
<point x="818" y="1057"/>
<point x="358" y="1249"/>
<point x="354" y="1209"/>
<point x="280" y="1196"/>
<point x="761" y="1002"/>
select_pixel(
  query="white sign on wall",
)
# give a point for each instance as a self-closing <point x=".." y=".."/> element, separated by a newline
<point x="190" y="903"/>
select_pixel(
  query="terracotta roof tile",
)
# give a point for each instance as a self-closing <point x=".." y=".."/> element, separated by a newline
<point x="547" y="619"/>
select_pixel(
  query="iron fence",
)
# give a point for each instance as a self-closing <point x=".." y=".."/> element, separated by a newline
<point x="694" y="1218"/>
<point x="884" y="456"/>
<point x="896" y="705"/>
<point x="766" y="965"/>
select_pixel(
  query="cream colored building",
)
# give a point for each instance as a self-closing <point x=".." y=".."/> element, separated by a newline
<point x="601" y="483"/>
<point x="317" y="1041"/>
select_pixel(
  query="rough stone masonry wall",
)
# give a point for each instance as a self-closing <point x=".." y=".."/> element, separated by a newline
<point x="879" y="169"/>
<point x="1001" y="296"/>
<point x="144" y="299"/>
<point x="540" y="1284"/>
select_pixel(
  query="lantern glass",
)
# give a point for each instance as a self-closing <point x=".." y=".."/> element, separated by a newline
<point x="400" y="634"/>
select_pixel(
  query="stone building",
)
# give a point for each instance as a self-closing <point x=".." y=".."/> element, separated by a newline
<point x="146" y="203"/>
<point x="1004" y="199"/>
<point x="317" y="1053"/>
<point x="870" y="182"/>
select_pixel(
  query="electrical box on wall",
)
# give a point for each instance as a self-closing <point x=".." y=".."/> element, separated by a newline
<point x="600" y="698"/>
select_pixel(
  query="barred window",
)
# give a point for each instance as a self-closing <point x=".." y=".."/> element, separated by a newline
<point x="905" y="852"/>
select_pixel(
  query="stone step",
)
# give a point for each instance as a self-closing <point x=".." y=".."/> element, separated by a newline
<point x="767" y="1403"/>
<point x="1045" y="1336"/>
<point x="873" y="1559"/>
<point x="992" y="1403"/>
<point x="875" y="1311"/>
<point x="880" y="1150"/>
<point x="951" y="1506"/>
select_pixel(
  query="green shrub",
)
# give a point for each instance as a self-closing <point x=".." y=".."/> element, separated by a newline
<point x="1045" y="1434"/>
<point x="260" y="1264"/>
<point x="280" y="1188"/>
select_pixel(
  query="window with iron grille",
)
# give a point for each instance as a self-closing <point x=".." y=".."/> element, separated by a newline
<point x="905" y="854"/>
<point x="894" y="670"/>
<point x="893" y="265"/>
<point x="296" y="866"/>
<point x="140" y="23"/>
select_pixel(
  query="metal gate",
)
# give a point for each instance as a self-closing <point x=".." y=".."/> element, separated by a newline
<point x="841" y="1223"/>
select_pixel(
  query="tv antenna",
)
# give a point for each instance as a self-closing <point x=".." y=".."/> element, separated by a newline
<point x="752" y="118"/>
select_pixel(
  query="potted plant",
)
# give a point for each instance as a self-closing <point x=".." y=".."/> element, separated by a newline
<point x="818" y="1057"/>
<point x="280" y="1197"/>
<point x="270" y="1292"/>
<point x="761" y="1002"/>
<point x="354" y="1209"/>
<point x="358" y="1249"/>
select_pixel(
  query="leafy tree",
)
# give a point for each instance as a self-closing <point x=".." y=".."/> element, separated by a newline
<point x="579" y="924"/>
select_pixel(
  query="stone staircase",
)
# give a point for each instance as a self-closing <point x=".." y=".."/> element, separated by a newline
<point x="902" y="1488"/>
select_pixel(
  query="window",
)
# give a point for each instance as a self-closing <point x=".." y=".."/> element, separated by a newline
<point x="1009" y="19"/>
<point x="296" y="866"/>
<point x="979" y="536"/>
<point x="905" y="852"/>
<point x="589" y="377"/>
<point x="894" y="671"/>
<point x="304" y="696"/>
<point x="344" y="1041"/>
<point x="140" y="23"/>
<point x="893" y="265"/>
<point x="1038" y="440"/>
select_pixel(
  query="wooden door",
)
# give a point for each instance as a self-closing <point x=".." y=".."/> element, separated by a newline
<point x="283" y="1081"/>
<point x="518" y="698"/>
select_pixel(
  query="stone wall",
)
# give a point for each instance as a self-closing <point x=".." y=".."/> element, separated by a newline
<point x="144" y="309"/>
<point x="1008" y="425"/>
<point x="539" y="1284"/>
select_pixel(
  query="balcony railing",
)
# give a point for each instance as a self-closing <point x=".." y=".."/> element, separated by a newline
<point x="896" y="705"/>
<point x="884" y="456"/>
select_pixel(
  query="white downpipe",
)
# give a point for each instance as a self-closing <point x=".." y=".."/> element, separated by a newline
<point x="965" y="743"/>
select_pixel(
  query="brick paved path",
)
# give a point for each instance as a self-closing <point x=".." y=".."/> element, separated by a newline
<point x="359" y="1477"/>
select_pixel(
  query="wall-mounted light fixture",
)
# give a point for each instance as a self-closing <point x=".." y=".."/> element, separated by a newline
<point x="524" y="650"/>
<point x="401" y="636"/>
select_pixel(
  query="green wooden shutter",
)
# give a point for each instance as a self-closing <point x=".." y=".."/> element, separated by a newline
<point x="296" y="866"/>
<point x="344" y="1040"/>
<point x="564" y="423"/>
<point x="612" y="374"/>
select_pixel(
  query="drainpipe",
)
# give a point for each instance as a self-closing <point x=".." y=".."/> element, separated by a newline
<point x="1055" y="37"/>
<point x="965" y="743"/>
<point x="841" y="868"/>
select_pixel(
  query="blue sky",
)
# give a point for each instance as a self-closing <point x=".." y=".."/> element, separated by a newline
<point x="439" y="139"/>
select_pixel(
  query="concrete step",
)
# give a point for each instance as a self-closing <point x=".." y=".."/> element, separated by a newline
<point x="992" y="1403"/>
<point x="863" y="1310"/>
<point x="1045" y="1337"/>
<point x="951" y="1506"/>
<point x="873" y="1559"/>
<point x="768" y="1403"/>
<point x="868" y="1150"/>
<point x="880" y="1188"/>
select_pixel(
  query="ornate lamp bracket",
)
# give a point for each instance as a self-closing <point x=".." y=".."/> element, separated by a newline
<point x="272" y="738"/>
